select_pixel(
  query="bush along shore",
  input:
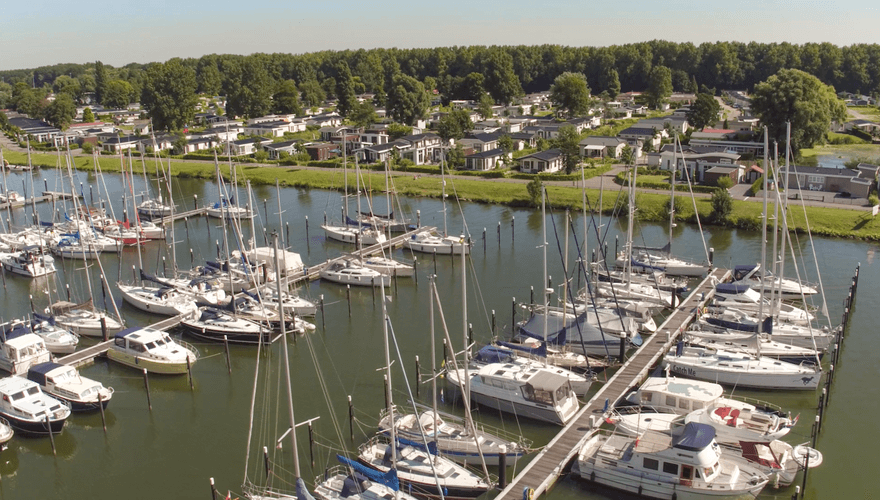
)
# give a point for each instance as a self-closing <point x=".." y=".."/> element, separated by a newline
<point x="510" y="191"/>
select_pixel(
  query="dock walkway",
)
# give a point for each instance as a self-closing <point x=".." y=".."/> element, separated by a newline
<point x="544" y="469"/>
<point x="47" y="196"/>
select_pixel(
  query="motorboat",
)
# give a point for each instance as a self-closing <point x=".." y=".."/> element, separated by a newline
<point x="778" y="459"/>
<point x="6" y="433"/>
<point x="30" y="261"/>
<point x="214" y="324"/>
<point x="28" y="410"/>
<point x="489" y="354"/>
<point x="22" y="349"/>
<point x="291" y="303"/>
<point x="228" y="208"/>
<point x="71" y="246"/>
<point x="534" y="392"/>
<point x="65" y="383"/>
<point x="773" y="285"/>
<point x="430" y="241"/>
<point x="348" y="272"/>
<point x="420" y="470"/>
<point x="685" y="463"/>
<point x="27" y="238"/>
<point x="453" y="440"/>
<point x="12" y="197"/>
<point x="57" y="339"/>
<point x="83" y="319"/>
<point x="162" y="300"/>
<point x="152" y="350"/>
<point x="741" y="370"/>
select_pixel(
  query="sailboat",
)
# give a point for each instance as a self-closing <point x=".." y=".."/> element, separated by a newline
<point x="153" y="208"/>
<point x="419" y="466"/>
<point x="430" y="241"/>
<point x="351" y="231"/>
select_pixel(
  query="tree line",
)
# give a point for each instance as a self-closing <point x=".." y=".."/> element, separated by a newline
<point x="261" y="83"/>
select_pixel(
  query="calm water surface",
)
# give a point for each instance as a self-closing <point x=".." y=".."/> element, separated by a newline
<point x="192" y="435"/>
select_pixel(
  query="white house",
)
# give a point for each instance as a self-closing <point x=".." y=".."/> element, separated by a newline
<point x="598" y="146"/>
<point x="483" y="160"/>
<point x="541" y="162"/>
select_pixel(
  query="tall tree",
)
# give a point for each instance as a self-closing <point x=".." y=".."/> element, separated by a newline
<point x="118" y="93"/>
<point x="100" y="81"/>
<point x="659" y="86"/>
<point x="312" y="93"/>
<point x="571" y="94"/>
<point x="704" y="111"/>
<point x="251" y="94"/>
<point x="286" y="98"/>
<point x="88" y="116"/>
<point x="61" y="111"/>
<point x="801" y="99"/>
<point x="484" y="106"/>
<point x="208" y="77"/>
<point x="610" y="82"/>
<point x="407" y="100"/>
<point x="363" y="114"/>
<point x="345" y="93"/>
<point x="455" y="125"/>
<point x="501" y="80"/>
<point x="64" y="84"/>
<point x="169" y="94"/>
<point x="567" y="141"/>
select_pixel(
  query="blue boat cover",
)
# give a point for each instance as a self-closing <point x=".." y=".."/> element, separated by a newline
<point x="15" y="331"/>
<point x="389" y="478"/>
<point x="540" y="351"/>
<point x="693" y="437"/>
<point x="494" y="354"/>
<point x="731" y="288"/>
<point x="39" y="318"/>
<point x="124" y="333"/>
<point x="37" y="373"/>
<point x="432" y="445"/>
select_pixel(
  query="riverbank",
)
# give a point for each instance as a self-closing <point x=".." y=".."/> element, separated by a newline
<point x="651" y="206"/>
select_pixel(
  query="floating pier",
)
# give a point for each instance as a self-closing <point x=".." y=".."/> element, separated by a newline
<point x="47" y="196"/>
<point x="540" y="474"/>
<point x="88" y="355"/>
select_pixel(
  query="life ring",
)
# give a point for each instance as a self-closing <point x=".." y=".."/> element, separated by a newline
<point x="800" y="453"/>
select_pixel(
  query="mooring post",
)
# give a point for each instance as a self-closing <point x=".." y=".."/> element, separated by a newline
<point x="101" y="407"/>
<point x="435" y="261"/>
<point x="147" y="387"/>
<point x="531" y="294"/>
<point x="350" y="420"/>
<point x="266" y="461"/>
<point x="192" y="258"/>
<point x="416" y="269"/>
<point x="418" y="376"/>
<point x="348" y="296"/>
<point x="311" y="445"/>
<point x="373" y="289"/>
<point x="484" y="241"/>
<point x="265" y="209"/>
<point x="499" y="233"/>
<point x="186" y="226"/>
<point x="512" y="220"/>
<point x="51" y="435"/>
<point x="67" y="286"/>
<point x="493" y="322"/>
<point x="287" y="233"/>
<point x="385" y="382"/>
<point x="307" y="228"/>
<point x="470" y="334"/>
<point x="323" y="318"/>
<point x="445" y="352"/>
<point x="502" y="470"/>
<point x="228" y="361"/>
<point x="418" y="218"/>
<point x="195" y="203"/>
<point x="213" y="490"/>
<point x="513" y="315"/>
<point x="104" y="328"/>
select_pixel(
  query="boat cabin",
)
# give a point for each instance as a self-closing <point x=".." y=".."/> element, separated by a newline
<point x="689" y="453"/>
<point x="547" y="388"/>
<point x="676" y="394"/>
<point x="143" y="341"/>
<point x="21" y="352"/>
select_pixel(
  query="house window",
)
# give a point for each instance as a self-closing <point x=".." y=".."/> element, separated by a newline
<point x="815" y="179"/>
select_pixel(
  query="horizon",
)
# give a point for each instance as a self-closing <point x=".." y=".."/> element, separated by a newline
<point x="152" y="31"/>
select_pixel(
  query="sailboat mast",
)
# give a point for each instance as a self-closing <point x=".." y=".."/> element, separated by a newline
<point x="764" y="231"/>
<point x="137" y="227"/>
<point x="544" y="250"/>
<point x="443" y="189"/>
<point x="629" y="227"/>
<point x="674" y="169"/>
<point x="171" y="207"/>
<point x="345" y="181"/>
<point x="433" y="357"/>
<point x="776" y="304"/>
<point x="388" y="375"/>
<point x="464" y="325"/>
<point x="286" y="365"/>
<point x="775" y="264"/>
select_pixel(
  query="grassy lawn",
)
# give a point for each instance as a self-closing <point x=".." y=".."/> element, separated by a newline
<point x="651" y="207"/>
<point x="872" y="112"/>
<point x="867" y="152"/>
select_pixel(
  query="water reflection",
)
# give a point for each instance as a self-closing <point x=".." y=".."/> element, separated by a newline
<point x="65" y="444"/>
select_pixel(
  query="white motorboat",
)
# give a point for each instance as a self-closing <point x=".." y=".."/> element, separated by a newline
<point x="741" y="370"/>
<point x="83" y="319"/>
<point x="433" y="242"/>
<point x="12" y="197"/>
<point x="686" y="463"/>
<point x="31" y="262"/>
<point x="420" y="471"/>
<point x="28" y="410"/>
<point x="152" y="350"/>
<point x="453" y="440"/>
<point x="787" y="289"/>
<point x="489" y="354"/>
<point x="6" y="433"/>
<point x="65" y="383"/>
<point x="22" y="349"/>
<point x="225" y="208"/>
<point x="28" y="238"/>
<point x="526" y="391"/>
<point x="159" y="300"/>
<point x="291" y="303"/>
<point x="57" y="339"/>
<point x="348" y="272"/>
<point x="215" y="324"/>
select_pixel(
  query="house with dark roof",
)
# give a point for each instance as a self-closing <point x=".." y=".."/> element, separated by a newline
<point x="641" y="135"/>
<point x="674" y="123"/>
<point x="523" y="140"/>
<point x="829" y="179"/>
<point x="480" y="142"/>
<point x="548" y="161"/>
<point x="39" y="130"/>
<point x="374" y="153"/>
<point x="200" y="144"/>
<point x="276" y="148"/>
<point x="243" y="147"/>
<point x="420" y="148"/>
<point x="117" y="144"/>
<point x="699" y="161"/>
<point x="483" y="160"/>
<point x="599" y="146"/>
<point x="322" y="151"/>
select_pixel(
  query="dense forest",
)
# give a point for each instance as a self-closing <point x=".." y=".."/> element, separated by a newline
<point x="252" y="82"/>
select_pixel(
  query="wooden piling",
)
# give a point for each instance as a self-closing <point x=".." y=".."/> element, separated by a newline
<point x="147" y="387"/>
<point x="51" y="435"/>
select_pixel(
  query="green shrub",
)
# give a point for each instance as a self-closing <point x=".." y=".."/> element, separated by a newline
<point x="873" y="200"/>
<point x="724" y="183"/>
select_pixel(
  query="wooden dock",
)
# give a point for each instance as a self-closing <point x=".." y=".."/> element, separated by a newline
<point x="543" y="471"/>
<point x="198" y="212"/>
<point x="88" y="355"/>
<point x="46" y="196"/>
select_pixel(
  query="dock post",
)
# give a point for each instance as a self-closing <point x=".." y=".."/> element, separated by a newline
<point x="513" y="315"/>
<point x="307" y="228"/>
<point x="372" y="289"/>
<point x="350" y="420"/>
<point x="192" y="258"/>
<point x="186" y="226"/>
<point x="51" y="435"/>
<point x="164" y="267"/>
<point x="348" y="296"/>
<point x="104" y="328"/>
<point x="91" y="195"/>
<point x="445" y="352"/>
<point x="711" y="256"/>
<point x="101" y="407"/>
<point x="499" y="233"/>
<point x="67" y="287"/>
<point x="418" y="376"/>
<point x="502" y="470"/>
<point x="189" y="374"/>
<point x="311" y="445"/>
<point x="493" y="322"/>
<point x="385" y="382"/>
<point x="622" y="350"/>
<point x="470" y="333"/>
<point x="435" y="262"/>
<point x="228" y="361"/>
<point x="418" y="218"/>
<point x="266" y="461"/>
<point x="512" y="234"/>
<point x="213" y="490"/>
<point x="147" y="387"/>
<point x="484" y="241"/>
<point x="806" y="470"/>
<point x="416" y="269"/>
<point x="217" y="245"/>
<point x="287" y="233"/>
<point x="265" y="209"/>
<point x="323" y="318"/>
<point x="531" y="295"/>
<point x="605" y="254"/>
<point x="3" y="273"/>
<point x="616" y="244"/>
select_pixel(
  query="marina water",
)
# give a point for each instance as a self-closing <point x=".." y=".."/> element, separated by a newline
<point x="190" y="436"/>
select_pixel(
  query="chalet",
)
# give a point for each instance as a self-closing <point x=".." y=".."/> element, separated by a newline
<point x="200" y="144"/>
<point x="276" y="148"/>
<point x="480" y="142"/>
<point x="699" y="161"/>
<point x="244" y="147"/>
<point x="678" y="124"/>
<point x="642" y="135"/>
<point x="834" y="180"/>
<point x="332" y="132"/>
<point x="523" y="140"/>
<point x="420" y="148"/>
<point x="601" y="147"/>
<point x="374" y="136"/>
<point x="733" y="172"/>
<point x="327" y="120"/>
<point x="717" y="134"/>
<point x="541" y="162"/>
<point x="269" y="129"/>
<point x="117" y="144"/>
<point x="743" y="147"/>
<point x="322" y="151"/>
<point x="484" y="160"/>
<point x="39" y="130"/>
<point x="373" y="153"/>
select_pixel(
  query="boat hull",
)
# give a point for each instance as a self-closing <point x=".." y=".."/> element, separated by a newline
<point x="151" y="365"/>
<point x="32" y="428"/>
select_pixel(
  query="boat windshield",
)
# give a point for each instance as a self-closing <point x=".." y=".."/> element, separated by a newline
<point x="18" y="395"/>
<point x="563" y="391"/>
<point x="150" y="346"/>
<point x="33" y="390"/>
<point x="537" y="395"/>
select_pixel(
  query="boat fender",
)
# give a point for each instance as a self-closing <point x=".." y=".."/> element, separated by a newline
<point x="136" y="360"/>
<point x="640" y="489"/>
<point x="593" y="476"/>
<point x="528" y="493"/>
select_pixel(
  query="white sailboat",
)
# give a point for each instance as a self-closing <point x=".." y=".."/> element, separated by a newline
<point x="432" y="242"/>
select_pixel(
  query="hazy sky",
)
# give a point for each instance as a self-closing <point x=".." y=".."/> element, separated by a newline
<point x="37" y="33"/>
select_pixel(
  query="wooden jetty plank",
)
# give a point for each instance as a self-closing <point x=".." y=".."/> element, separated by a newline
<point x="88" y="355"/>
<point x="546" y="468"/>
<point x="47" y="196"/>
<point x="198" y="212"/>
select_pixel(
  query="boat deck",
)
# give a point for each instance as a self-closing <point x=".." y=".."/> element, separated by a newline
<point x="544" y="469"/>
<point x="88" y="355"/>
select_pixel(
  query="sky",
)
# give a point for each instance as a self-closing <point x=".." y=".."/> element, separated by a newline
<point x="39" y="33"/>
